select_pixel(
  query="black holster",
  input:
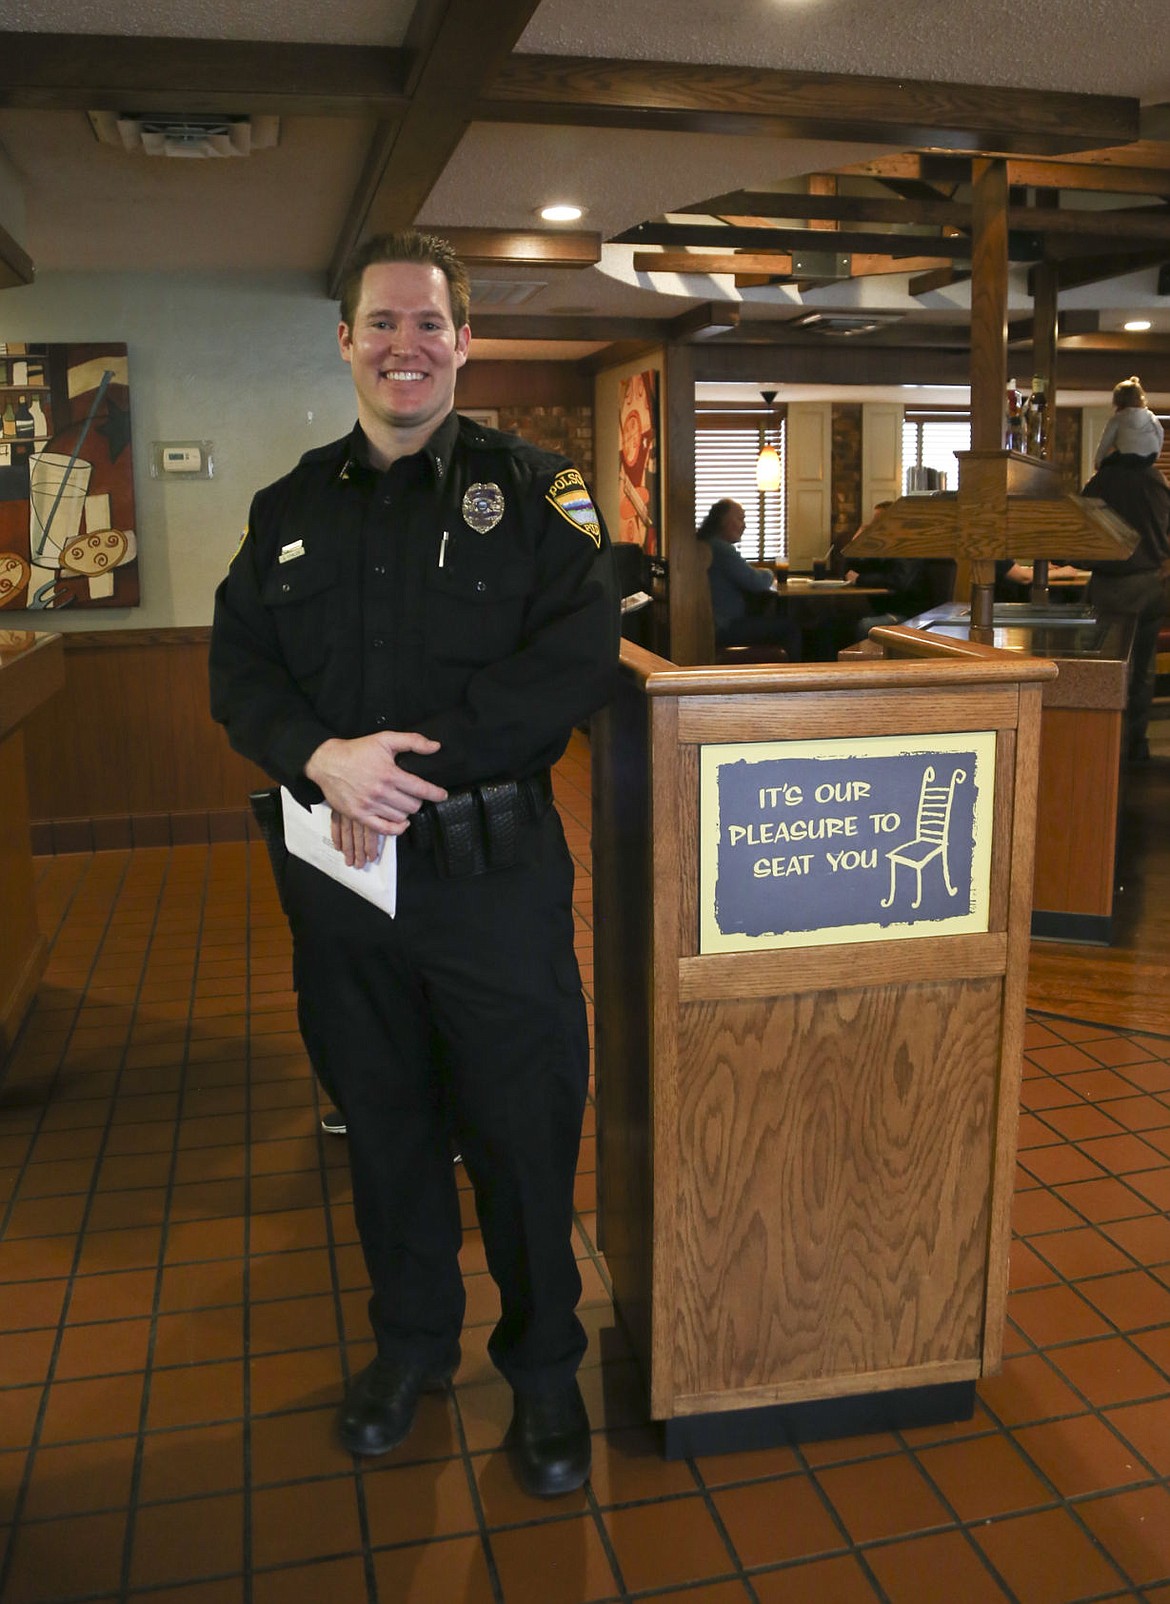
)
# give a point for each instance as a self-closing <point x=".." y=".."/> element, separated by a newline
<point x="269" y="816"/>
<point x="482" y="827"/>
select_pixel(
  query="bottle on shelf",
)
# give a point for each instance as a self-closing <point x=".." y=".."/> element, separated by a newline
<point x="1016" y="438"/>
<point x="1036" y="418"/>
<point x="8" y="422"/>
<point x="25" y="424"/>
<point x="40" y="422"/>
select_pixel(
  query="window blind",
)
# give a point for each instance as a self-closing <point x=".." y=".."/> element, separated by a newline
<point x="931" y="442"/>
<point x="725" y="466"/>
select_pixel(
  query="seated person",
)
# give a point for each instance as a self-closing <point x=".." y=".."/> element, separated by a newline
<point x="733" y="581"/>
<point x="905" y="578"/>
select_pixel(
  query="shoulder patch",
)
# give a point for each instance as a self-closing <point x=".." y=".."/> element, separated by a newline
<point x="568" y="495"/>
<point x="239" y="547"/>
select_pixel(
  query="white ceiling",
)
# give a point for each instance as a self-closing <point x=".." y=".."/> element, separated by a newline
<point x="91" y="206"/>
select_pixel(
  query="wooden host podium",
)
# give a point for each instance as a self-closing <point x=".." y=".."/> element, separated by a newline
<point x="807" y="1087"/>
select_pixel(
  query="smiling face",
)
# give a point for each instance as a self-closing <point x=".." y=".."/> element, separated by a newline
<point x="404" y="351"/>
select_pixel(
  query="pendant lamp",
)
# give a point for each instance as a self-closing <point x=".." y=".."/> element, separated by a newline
<point x="768" y="461"/>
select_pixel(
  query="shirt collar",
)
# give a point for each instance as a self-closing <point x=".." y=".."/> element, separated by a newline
<point x="438" y="450"/>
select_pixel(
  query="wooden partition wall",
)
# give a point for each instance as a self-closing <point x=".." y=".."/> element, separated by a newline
<point x="31" y="673"/>
<point x="806" y="1152"/>
<point x="128" y="754"/>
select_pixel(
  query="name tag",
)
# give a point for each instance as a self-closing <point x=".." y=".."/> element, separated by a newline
<point x="295" y="548"/>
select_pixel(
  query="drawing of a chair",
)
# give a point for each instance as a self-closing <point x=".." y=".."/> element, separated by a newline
<point x="931" y="837"/>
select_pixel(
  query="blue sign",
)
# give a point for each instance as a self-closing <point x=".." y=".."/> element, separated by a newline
<point x="809" y="842"/>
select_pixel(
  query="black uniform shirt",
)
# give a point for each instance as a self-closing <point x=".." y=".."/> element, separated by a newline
<point x="467" y="592"/>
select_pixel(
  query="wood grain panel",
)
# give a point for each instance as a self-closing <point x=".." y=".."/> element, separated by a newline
<point x="786" y="972"/>
<point x="664" y="1158"/>
<point x="131" y="732"/>
<point x="22" y="947"/>
<point x="1017" y="827"/>
<point x="1080" y="754"/>
<point x="870" y="1124"/>
<point x="788" y="1392"/>
<point x="1002" y="864"/>
<point x="845" y="714"/>
<point x="622" y="900"/>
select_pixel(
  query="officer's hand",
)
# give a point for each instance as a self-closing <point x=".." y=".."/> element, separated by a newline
<point x="359" y="845"/>
<point x="361" y="780"/>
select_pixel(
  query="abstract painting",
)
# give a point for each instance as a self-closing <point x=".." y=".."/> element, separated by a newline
<point x="67" y="525"/>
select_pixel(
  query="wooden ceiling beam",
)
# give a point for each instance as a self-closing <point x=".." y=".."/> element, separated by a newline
<point x="1109" y="178"/>
<point x="773" y="264"/>
<point x="461" y="44"/>
<point x="1080" y="176"/>
<point x="216" y="77"/>
<point x="503" y="247"/>
<point x="701" y="322"/>
<point x="1122" y="223"/>
<point x="1077" y="272"/>
<point x="587" y="91"/>
<point x="16" y="265"/>
<point x="81" y="72"/>
<point x="1134" y="344"/>
<point x="797" y="240"/>
<point x="939" y="278"/>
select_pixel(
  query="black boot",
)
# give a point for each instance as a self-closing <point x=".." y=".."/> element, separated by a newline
<point x="380" y="1404"/>
<point x="548" y="1441"/>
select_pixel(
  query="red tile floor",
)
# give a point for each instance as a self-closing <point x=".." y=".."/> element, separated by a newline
<point x="181" y="1293"/>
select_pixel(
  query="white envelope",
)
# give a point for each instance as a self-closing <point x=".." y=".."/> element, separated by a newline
<point x="307" y="836"/>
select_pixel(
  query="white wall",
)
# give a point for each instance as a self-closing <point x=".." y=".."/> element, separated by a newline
<point x="240" y="360"/>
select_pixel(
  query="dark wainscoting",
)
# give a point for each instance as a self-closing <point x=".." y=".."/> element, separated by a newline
<point x="128" y="755"/>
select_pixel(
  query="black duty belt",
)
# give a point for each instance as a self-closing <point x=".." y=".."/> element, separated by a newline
<point x="480" y="828"/>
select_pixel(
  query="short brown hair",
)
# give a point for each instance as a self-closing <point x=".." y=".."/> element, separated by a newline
<point x="408" y="245"/>
<point x="1129" y="393"/>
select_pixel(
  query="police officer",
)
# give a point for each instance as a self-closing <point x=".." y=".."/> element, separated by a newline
<point x="417" y="616"/>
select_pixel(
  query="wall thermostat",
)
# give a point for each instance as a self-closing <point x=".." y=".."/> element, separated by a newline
<point x="181" y="459"/>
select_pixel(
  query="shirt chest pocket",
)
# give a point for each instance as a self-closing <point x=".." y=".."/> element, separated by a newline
<point x="475" y="615"/>
<point x="301" y="597"/>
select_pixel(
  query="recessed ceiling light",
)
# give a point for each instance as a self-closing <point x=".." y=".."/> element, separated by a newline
<point x="560" y="213"/>
<point x="1137" y="325"/>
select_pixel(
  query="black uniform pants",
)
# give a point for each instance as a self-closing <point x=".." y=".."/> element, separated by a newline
<point x="461" y="1019"/>
<point x="1142" y="598"/>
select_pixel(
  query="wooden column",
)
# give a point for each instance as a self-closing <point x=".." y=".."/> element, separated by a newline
<point x="1046" y="284"/>
<point x="692" y="631"/>
<point x="989" y="286"/>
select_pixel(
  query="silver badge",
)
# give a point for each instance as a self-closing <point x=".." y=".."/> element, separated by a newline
<point x="483" y="507"/>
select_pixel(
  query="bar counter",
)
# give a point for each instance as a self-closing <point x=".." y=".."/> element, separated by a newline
<point x="1081" y="732"/>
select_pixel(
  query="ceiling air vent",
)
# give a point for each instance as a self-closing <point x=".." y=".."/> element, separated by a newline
<point x="177" y="135"/>
<point x="487" y="292"/>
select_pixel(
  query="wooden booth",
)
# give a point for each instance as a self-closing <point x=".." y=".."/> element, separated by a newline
<point x="32" y="668"/>
<point x="812" y="893"/>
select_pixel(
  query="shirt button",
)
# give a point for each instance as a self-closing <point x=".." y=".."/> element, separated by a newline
<point x="385" y="501"/>
<point x="481" y="584"/>
<point x="380" y="569"/>
<point x="286" y="589"/>
<point x="378" y="641"/>
<point x="381" y="720"/>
